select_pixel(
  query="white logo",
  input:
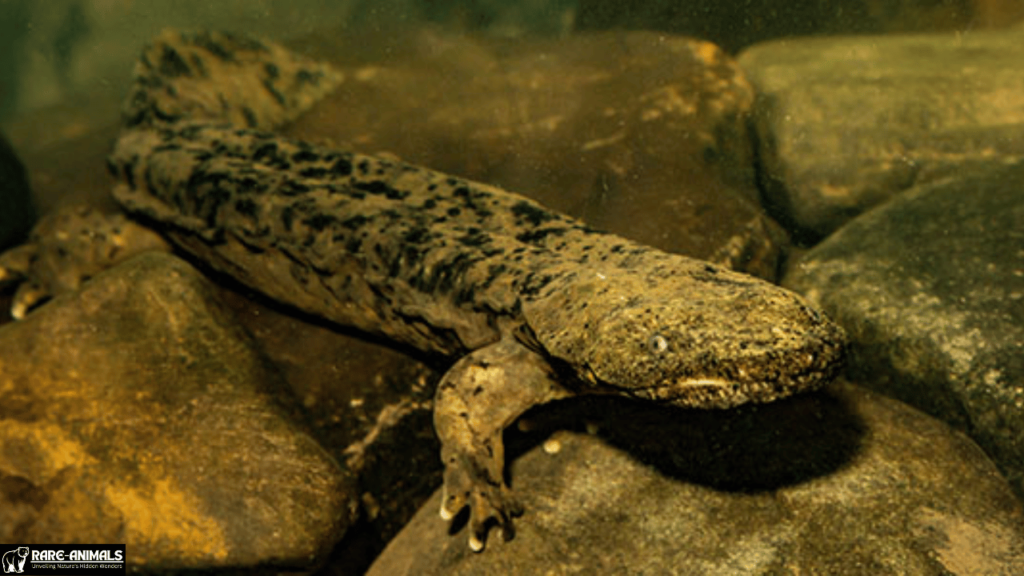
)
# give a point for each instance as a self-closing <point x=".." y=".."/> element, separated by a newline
<point x="14" y="560"/>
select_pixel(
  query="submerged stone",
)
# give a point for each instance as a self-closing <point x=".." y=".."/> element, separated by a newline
<point x="930" y="289"/>
<point x="136" y="411"/>
<point x="640" y="134"/>
<point x="844" y="124"/>
<point x="843" y="481"/>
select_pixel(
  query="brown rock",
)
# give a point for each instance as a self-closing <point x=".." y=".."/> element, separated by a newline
<point x="136" y="411"/>
<point x="369" y="405"/>
<point x="839" y="482"/>
<point x="640" y="134"/>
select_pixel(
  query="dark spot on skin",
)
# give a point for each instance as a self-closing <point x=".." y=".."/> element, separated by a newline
<point x="373" y="187"/>
<point x="535" y="283"/>
<point x="417" y="235"/>
<point x="534" y="236"/>
<point x="160" y="115"/>
<point x="412" y="255"/>
<point x="430" y="204"/>
<point x="343" y="167"/>
<point x="248" y="185"/>
<point x="172" y="64"/>
<point x="354" y="222"/>
<point x="198" y="66"/>
<point x="319" y="221"/>
<point x="271" y="69"/>
<point x="316" y="173"/>
<point x="455" y="268"/>
<point x="205" y="41"/>
<point x="454" y="211"/>
<point x="288" y="217"/>
<point x="210" y="204"/>
<point x="494" y="271"/>
<point x="378" y="187"/>
<point x="129" y="175"/>
<point x="303" y="156"/>
<point x="148" y="176"/>
<point x="474" y="237"/>
<point x="253" y="249"/>
<point x="531" y="213"/>
<point x="273" y="91"/>
<point x="191" y="132"/>
<point x="246" y="207"/>
<point x="268" y="150"/>
<point x="464" y="295"/>
<point x="250" y="117"/>
<point x="167" y="147"/>
<point x="293" y="188"/>
<point x="308" y="77"/>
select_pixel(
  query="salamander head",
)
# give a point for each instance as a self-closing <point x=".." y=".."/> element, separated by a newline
<point x="695" y="336"/>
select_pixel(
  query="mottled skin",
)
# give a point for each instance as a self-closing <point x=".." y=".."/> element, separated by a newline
<point x="530" y="304"/>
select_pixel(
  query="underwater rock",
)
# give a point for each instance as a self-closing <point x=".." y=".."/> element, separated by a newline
<point x="16" y="212"/>
<point x="740" y="23"/>
<point x="640" y="134"/>
<point x="930" y="289"/>
<point x="137" y="411"/>
<point x="369" y="405"/>
<point x="843" y="481"/>
<point x="62" y="252"/>
<point x="846" y="123"/>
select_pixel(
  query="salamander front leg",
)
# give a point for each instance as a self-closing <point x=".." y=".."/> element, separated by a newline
<point x="479" y="396"/>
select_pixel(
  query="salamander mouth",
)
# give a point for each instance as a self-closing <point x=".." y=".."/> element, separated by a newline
<point x="750" y="380"/>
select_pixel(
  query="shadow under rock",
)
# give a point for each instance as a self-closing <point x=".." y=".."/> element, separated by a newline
<point x="746" y="449"/>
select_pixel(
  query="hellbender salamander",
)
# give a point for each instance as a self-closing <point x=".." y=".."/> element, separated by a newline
<point x="530" y="305"/>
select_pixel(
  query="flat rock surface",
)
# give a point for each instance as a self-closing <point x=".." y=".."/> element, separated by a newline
<point x="640" y="134"/>
<point x="136" y="411"/>
<point x="846" y="123"/>
<point x="840" y="482"/>
<point x="930" y="289"/>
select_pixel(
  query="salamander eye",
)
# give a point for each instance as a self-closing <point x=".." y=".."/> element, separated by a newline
<point x="657" y="344"/>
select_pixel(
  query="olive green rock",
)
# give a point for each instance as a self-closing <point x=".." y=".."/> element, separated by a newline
<point x="930" y="290"/>
<point x="844" y="124"/>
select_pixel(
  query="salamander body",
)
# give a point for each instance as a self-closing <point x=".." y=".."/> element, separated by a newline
<point x="527" y="304"/>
